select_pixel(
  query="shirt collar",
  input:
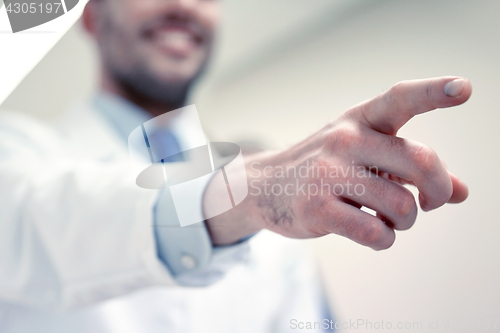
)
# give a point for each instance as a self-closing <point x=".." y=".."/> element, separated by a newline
<point x="126" y="116"/>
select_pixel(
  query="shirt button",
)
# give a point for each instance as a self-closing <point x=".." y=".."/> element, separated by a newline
<point x="188" y="261"/>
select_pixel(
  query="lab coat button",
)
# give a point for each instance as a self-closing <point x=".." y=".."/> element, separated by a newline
<point x="188" y="261"/>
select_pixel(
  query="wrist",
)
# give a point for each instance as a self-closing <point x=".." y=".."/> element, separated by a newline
<point x="246" y="218"/>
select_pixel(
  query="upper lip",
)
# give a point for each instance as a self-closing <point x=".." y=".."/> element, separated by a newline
<point x="192" y="28"/>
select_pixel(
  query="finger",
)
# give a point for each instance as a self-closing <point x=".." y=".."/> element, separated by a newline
<point x="460" y="189"/>
<point x="391" y="201"/>
<point x="361" y="227"/>
<point x="410" y="161"/>
<point x="389" y="111"/>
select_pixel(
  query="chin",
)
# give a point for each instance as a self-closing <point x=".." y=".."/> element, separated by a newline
<point x="176" y="74"/>
<point x="174" y="67"/>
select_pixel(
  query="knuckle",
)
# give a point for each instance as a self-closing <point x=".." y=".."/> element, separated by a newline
<point x="344" y="138"/>
<point x="395" y="93"/>
<point x="398" y="88"/>
<point x="399" y="96"/>
<point x="405" y="205"/>
<point x="406" y="210"/>
<point x="442" y="194"/>
<point x="429" y="91"/>
<point x="426" y="160"/>
<point x="371" y="233"/>
<point x="390" y="95"/>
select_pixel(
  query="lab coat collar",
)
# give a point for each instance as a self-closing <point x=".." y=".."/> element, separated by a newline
<point x="91" y="134"/>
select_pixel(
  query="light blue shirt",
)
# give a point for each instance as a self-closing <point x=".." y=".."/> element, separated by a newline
<point x="186" y="251"/>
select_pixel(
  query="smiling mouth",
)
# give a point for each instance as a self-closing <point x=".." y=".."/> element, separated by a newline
<point x="175" y="40"/>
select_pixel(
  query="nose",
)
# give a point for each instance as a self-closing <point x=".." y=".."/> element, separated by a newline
<point x="184" y="4"/>
<point x="181" y="10"/>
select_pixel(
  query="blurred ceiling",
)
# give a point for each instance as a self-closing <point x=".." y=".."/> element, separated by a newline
<point x="253" y="30"/>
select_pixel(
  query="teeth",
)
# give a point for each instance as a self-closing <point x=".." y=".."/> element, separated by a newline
<point x="175" y="39"/>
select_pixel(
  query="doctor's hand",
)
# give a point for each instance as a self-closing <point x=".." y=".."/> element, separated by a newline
<point x="318" y="186"/>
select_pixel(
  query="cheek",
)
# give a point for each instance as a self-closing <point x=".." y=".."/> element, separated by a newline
<point x="119" y="25"/>
<point x="129" y="15"/>
<point x="137" y="11"/>
<point x="208" y="13"/>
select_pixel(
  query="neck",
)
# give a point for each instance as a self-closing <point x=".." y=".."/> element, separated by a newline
<point x="152" y="106"/>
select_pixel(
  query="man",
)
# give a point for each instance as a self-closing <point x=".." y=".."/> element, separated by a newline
<point x="76" y="230"/>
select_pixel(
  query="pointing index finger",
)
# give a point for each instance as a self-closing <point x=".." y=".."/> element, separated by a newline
<point x="389" y="111"/>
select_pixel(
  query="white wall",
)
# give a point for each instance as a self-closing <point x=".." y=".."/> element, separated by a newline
<point x="446" y="266"/>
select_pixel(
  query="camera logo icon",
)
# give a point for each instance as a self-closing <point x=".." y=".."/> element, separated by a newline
<point x="187" y="170"/>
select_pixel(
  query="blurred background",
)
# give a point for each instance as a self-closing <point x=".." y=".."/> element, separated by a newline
<point x="283" y="68"/>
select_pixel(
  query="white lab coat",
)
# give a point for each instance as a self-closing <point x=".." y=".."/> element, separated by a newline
<point x="77" y="249"/>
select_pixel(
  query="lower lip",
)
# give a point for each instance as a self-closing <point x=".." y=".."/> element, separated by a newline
<point x="181" y="51"/>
